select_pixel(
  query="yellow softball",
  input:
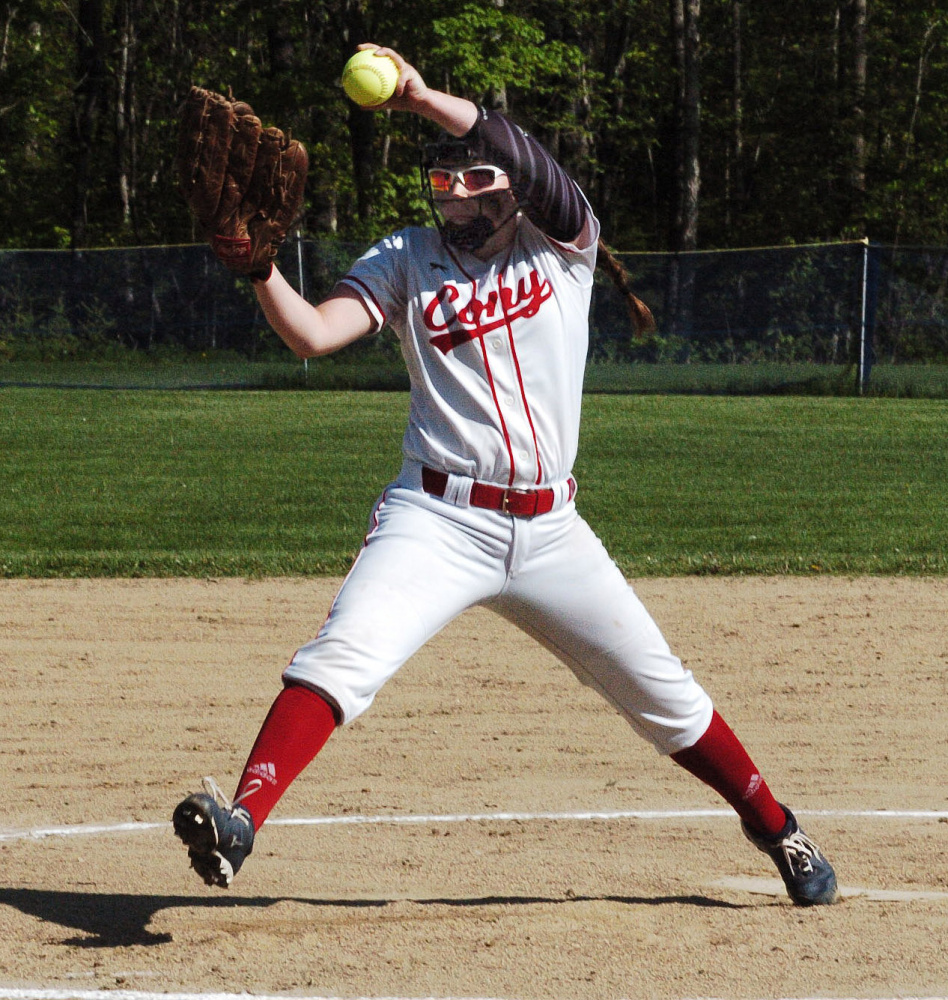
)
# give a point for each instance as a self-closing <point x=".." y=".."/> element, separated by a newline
<point x="368" y="79"/>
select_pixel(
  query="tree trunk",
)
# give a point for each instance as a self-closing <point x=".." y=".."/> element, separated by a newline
<point x="687" y="112"/>
<point x="4" y="45"/>
<point x="89" y="103"/>
<point x="922" y="66"/>
<point x="125" y="109"/>
<point x="361" y="123"/>
<point x="734" y="182"/>
<point x="609" y="185"/>
<point x="858" y="111"/>
<point x="684" y="237"/>
<point x="690" y="171"/>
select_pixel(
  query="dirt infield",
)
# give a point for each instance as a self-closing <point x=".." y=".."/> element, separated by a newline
<point x="120" y="695"/>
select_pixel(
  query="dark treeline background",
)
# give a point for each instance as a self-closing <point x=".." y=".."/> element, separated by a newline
<point x="690" y="125"/>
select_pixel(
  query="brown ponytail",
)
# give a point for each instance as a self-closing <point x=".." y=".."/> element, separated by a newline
<point x="642" y="319"/>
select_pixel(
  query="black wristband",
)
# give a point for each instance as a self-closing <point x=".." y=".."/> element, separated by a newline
<point x="263" y="274"/>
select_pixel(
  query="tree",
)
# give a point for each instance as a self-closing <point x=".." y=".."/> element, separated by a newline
<point x="685" y="16"/>
<point x="801" y="121"/>
<point x="679" y="287"/>
<point x="35" y="102"/>
<point x="90" y="105"/>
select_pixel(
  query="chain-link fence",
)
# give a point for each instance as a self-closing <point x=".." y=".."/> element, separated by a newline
<point x="844" y="317"/>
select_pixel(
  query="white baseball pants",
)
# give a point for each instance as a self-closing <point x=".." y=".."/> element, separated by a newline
<point x="425" y="561"/>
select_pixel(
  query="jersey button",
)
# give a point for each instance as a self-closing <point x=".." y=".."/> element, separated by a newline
<point x="495" y="344"/>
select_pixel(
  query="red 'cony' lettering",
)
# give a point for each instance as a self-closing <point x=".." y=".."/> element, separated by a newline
<point x="479" y="317"/>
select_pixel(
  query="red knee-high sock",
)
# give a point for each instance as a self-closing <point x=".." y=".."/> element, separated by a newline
<point x="295" y="730"/>
<point x="719" y="760"/>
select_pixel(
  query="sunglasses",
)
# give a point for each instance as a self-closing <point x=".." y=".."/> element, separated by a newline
<point x="473" y="178"/>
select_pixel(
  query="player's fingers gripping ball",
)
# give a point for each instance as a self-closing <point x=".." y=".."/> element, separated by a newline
<point x="368" y="79"/>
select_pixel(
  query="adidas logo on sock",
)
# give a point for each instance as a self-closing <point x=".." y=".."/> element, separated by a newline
<point x="753" y="786"/>
<point x="266" y="771"/>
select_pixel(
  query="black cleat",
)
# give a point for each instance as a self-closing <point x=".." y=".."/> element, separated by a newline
<point x="808" y="876"/>
<point x="217" y="833"/>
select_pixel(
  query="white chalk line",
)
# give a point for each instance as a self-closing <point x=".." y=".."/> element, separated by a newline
<point x="762" y="886"/>
<point x="50" y="994"/>
<point x="775" y="887"/>
<point x="91" y="829"/>
<point x="47" y="994"/>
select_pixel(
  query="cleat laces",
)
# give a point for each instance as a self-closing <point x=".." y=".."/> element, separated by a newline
<point x="800" y="852"/>
<point x="808" y="876"/>
<point x="214" y="790"/>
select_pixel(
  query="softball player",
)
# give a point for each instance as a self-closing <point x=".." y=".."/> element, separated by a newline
<point x="491" y="309"/>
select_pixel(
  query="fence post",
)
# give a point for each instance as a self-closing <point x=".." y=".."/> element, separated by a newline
<point x="299" y="260"/>
<point x="299" y="271"/>
<point x="863" y="326"/>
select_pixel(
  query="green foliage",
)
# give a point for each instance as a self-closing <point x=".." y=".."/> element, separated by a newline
<point x="594" y="81"/>
<point x="35" y="111"/>
<point x="86" y="332"/>
<point x="485" y="50"/>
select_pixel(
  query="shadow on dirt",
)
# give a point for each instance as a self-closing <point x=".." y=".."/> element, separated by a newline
<point x="120" y="919"/>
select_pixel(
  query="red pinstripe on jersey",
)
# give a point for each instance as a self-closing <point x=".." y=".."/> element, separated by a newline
<point x="497" y="406"/>
<point x="523" y="396"/>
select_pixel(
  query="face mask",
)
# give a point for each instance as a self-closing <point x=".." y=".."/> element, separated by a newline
<point x="471" y="235"/>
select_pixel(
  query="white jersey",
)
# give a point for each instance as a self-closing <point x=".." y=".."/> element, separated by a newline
<point x="495" y="350"/>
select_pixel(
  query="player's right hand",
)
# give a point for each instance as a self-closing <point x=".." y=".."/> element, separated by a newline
<point x="411" y="90"/>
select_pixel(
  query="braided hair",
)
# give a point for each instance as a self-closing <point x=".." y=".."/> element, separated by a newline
<point x="642" y="319"/>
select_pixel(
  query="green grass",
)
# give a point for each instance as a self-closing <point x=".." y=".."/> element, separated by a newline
<point x="767" y="485"/>
<point x="206" y="483"/>
<point x="382" y="371"/>
<point x="136" y="371"/>
<point x="699" y="378"/>
<point x="270" y="483"/>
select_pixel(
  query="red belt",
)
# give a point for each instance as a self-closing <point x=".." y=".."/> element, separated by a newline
<point x="517" y="503"/>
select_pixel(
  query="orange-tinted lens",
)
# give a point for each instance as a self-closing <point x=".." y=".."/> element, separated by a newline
<point x="478" y="178"/>
<point x="441" y="180"/>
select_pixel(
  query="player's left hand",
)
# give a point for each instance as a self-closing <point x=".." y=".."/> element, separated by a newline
<point x="243" y="182"/>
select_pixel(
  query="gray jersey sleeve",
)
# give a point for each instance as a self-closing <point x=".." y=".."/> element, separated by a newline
<point x="550" y="198"/>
